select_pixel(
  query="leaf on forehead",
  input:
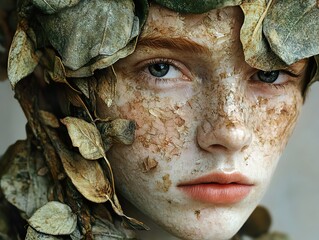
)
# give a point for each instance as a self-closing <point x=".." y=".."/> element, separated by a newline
<point x="102" y="61"/>
<point x="23" y="58"/>
<point x="256" y="49"/>
<point x="54" y="218"/>
<point x="86" y="137"/>
<point x="53" y="6"/>
<point x="292" y="29"/>
<point x="87" y="176"/>
<point x="91" y="29"/>
<point x="198" y="6"/>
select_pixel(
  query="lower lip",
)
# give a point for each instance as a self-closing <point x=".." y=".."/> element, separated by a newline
<point x="217" y="193"/>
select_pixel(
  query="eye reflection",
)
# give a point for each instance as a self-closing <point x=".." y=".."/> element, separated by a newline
<point x="159" y="69"/>
<point x="268" y="77"/>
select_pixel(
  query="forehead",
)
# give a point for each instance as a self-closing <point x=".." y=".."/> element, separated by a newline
<point x="213" y="25"/>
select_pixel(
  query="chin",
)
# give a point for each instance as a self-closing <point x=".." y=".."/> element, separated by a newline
<point x="217" y="223"/>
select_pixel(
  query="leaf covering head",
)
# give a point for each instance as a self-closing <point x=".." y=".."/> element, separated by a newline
<point x="94" y="34"/>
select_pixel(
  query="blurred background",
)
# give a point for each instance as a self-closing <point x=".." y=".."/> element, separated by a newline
<point x="293" y="196"/>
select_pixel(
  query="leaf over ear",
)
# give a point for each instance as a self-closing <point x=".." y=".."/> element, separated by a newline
<point x="256" y="49"/>
<point x="292" y="29"/>
<point x="23" y="58"/>
<point x="87" y="177"/>
<point x="86" y="137"/>
<point x="54" y="218"/>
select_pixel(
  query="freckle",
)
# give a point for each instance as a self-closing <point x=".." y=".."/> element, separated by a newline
<point x="179" y="121"/>
<point x="197" y="214"/>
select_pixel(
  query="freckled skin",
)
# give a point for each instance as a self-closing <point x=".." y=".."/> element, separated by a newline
<point x="219" y="120"/>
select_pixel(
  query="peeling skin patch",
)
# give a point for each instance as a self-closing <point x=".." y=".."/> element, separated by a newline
<point x="165" y="185"/>
<point x="149" y="164"/>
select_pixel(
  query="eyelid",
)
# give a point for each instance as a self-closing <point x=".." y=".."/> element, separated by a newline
<point x="177" y="64"/>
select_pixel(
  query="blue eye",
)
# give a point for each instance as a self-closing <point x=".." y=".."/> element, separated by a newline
<point x="159" y="69"/>
<point x="268" y="77"/>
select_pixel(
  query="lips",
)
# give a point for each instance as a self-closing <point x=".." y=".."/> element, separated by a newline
<point x="218" y="188"/>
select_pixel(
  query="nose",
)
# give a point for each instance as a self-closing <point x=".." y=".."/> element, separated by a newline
<point x="225" y="125"/>
<point x="225" y="136"/>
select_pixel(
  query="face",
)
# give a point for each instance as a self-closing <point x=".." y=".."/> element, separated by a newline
<point x="210" y="128"/>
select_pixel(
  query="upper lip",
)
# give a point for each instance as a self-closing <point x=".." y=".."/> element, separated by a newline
<point x="219" y="178"/>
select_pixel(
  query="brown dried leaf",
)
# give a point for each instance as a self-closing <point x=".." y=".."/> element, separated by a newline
<point x="23" y="58"/>
<point x="83" y="85"/>
<point x="87" y="177"/>
<point x="54" y="218"/>
<point x="86" y="137"/>
<point x="49" y="119"/>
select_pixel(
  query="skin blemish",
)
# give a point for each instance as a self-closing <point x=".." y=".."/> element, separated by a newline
<point x="165" y="184"/>
<point x="197" y="214"/>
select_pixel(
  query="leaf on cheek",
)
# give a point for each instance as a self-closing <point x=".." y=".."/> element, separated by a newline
<point x="86" y="137"/>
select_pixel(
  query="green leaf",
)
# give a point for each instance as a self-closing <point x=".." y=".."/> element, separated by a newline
<point x="53" y="6"/>
<point x="91" y="29"/>
<point x="292" y="29"/>
<point x="196" y="6"/>
<point x="256" y="49"/>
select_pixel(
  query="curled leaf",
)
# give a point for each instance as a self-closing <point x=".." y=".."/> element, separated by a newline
<point x="86" y="137"/>
<point x="256" y="49"/>
<point x="23" y="58"/>
<point x="292" y="30"/>
<point x="87" y="177"/>
<point x="54" y="218"/>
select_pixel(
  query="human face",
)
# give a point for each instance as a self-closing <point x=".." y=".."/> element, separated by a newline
<point x="209" y="130"/>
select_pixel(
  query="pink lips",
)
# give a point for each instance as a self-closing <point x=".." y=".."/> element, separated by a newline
<point x="218" y="188"/>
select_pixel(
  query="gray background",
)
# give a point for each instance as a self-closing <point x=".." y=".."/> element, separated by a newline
<point x="293" y="196"/>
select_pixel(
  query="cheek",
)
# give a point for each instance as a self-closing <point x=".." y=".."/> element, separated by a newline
<point x="275" y="121"/>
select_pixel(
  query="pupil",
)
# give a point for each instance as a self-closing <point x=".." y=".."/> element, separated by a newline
<point x="159" y="69"/>
<point x="268" y="77"/>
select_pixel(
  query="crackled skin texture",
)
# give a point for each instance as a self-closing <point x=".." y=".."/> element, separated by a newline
<point x="209" y="114"/>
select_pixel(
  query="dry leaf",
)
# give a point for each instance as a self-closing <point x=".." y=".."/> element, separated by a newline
<point x="86" y="137"/>
<point x="49" y="119"/>
<point x="83" y="85"/>
<point x="23" y="58"/>
<point x="198" y="6"/>
<point x="21" y="184"/>
<point x="87" y="177"/>
<point x="292" y="30"/>
<point x="53" y="6"/>
<point x="34" y="235"/>
<point x="105" y="27"/>
<point x="54" y="218"/>
<point x="256" y="49"/>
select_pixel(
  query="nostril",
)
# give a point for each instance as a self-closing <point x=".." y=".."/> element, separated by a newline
<point x="218" y="147"/>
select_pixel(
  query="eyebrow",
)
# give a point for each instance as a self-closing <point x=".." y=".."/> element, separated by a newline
<point x="179" y="44"/>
